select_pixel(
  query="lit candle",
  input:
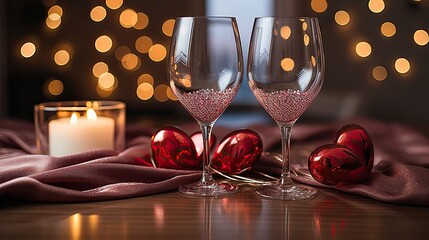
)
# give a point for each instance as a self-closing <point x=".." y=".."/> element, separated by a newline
<point x="79" y="134"/>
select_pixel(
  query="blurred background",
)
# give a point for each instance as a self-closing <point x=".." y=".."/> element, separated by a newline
<point x="56" y="50"/>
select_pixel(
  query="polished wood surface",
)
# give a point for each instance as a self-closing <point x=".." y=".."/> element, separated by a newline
<point x="331" y="215"/>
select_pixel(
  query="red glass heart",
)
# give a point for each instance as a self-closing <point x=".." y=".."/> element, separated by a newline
<point x="237" y="152"/>
<point x="172" y="148"/>
<point x="358" y="140"/>
<point x="349" y="160"/>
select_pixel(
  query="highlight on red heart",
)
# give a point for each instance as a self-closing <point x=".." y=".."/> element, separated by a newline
<point x="237" y="152"/>
<point x="346" y="161"/>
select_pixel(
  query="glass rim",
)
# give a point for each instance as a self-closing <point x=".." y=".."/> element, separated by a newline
<point x="286" y="18"/>
<point x="206" y="17"/>
<point x="79" y="105"/>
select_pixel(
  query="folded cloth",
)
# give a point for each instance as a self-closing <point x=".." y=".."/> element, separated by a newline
<point x="400" y="174"/>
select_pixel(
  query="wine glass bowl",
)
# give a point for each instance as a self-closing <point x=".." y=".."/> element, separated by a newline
<point x="285" y="73"/>
<point x="205" y="69"/>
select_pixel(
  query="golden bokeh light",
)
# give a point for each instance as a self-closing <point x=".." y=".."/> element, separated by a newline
<point x="128" y="18"/>
<point x="53" y="24"/>
<point x="98" y="14"/>
<point x="121" y="51"/>
<point x="287" y="64"/>
<point x="62" y="57"/>
<point x="157" y="53"/>
<point x="421" y="37"/>
<point x="114" y="4"/>
<point x="342" y="18"/>
<point x="379" y="73"/>
<point x="167" y="27"/>
<point x="363" y="49"/>
<point x="285" y="32"/>
<point x="376" y="6"/>
<point x="145" y="78"/>
<point x="103" y="43"/>
<point x="142" y="21"/>
<point x="54" y="16"/>
<point x="306" y="39"/>
<point x="160" y="93"/>
<point x="28" y="49"/>
<point x="388" y="29"/>
<point x="106" y="81"/>
<point x="55" y="87"/>
<point x="402" y="65"/>
<point x="130" y="61"/>
<point x="103" y="92"/>
<point x="145" y="91"/>
<point x="171" y="94"/>
<point x="55" y="10"/>
<point x="99" y="68"/>
<point x="319" y="6"/>
<point x="143" y="44"/>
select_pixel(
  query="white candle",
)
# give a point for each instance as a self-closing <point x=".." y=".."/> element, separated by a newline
<point x="79" y="134"/>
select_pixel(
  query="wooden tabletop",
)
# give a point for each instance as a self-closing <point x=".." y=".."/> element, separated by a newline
<point x="331" y="215"/>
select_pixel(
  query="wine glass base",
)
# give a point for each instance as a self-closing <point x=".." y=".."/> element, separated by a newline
<point x="215" y="189"/>
<point x="287" y="192"/>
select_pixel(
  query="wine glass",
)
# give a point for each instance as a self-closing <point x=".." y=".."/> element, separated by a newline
<point x="206" y="70"/>
<point x="285" y="72"/>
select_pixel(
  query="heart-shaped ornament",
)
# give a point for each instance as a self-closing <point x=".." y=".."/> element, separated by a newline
<point x="348" y="160"/>
<point x="173" y="148"/>
<point x="237" y="152"/>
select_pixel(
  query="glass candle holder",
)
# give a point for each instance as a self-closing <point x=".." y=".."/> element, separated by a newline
<point x="65" y="128"/>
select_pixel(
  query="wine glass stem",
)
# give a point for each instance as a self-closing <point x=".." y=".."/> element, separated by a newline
<point x="206" y="130"/>
<point x="285" y="137"/>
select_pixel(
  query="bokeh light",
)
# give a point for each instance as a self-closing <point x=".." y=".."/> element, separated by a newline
<point x="388" y="29"/>
<point x="145" y="78"/>
<point x="402" y="65"/>
<point x="143" y="44"/>
<point x="342" y="18"/>
<point x="145" y="91"/>
<point x="157" y="53"/>
<point x="421" y="37"/>
<point x="106" y="81"/>
<point x="160" y="93"/>
<point x="53" y="24"/>
<point x="62" y="57"/>
<point x="55" y="10"/>
<point x="130" y="61"/>
<point x="128" y="18"/>
<point x="379" y="73"/>
<point x="55" y="87"/>
<point x="287" y="64"/>
<point x="98" y="14"/>
<point x="168" y="26"/>
<point x="363" y="49"/>
<point x="121" y="51"/>
<point x="142" y="21"/>
<point x="99" y="68"/>
<point x="376" y="6"/>
<point x="28" y="49"/>
<point x="103" y="43"/>
<point x="171" y="94"/>
<point x="285" y="32"/>
<point x="319" y="6"/>
<point x="114" y="4"/>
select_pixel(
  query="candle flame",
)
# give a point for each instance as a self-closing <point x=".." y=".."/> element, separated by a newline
<point x="73" y="118"/>
<point x="90" y="114"/>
